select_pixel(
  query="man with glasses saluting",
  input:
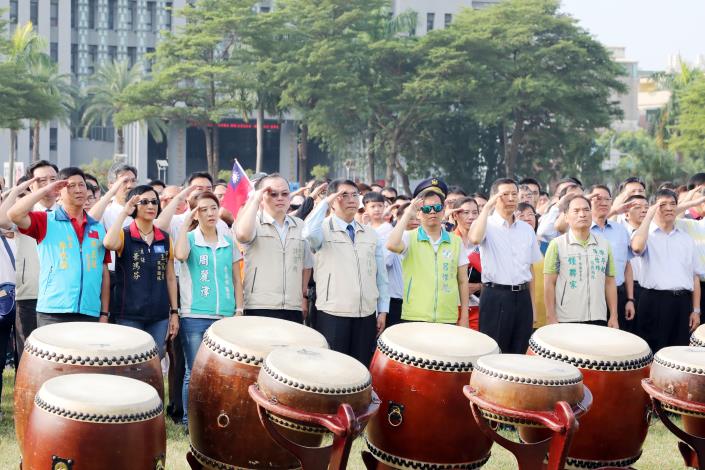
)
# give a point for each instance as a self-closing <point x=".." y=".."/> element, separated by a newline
<point x="350" y="273"/>
<point x="435" y="264"/>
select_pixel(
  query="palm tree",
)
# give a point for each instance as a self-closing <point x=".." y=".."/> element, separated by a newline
<point x="107" y="98"/>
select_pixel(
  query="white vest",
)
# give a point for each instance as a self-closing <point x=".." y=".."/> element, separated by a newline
<point x="27" y="267"/>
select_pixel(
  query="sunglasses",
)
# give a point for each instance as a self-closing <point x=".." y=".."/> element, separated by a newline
<point x="435" y="208"/>
<point x="144" y="202"/>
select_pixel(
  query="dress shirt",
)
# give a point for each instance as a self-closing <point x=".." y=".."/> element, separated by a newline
<point x="696" y="230"/>
<point x="313" y="232"/>
<point x="635" y="261"/>
<point x="395" y="276"/>
<point x="546" y="230"/>
<point x="110" y="215"/>
<point x="508" y="251"/>
<point x="620" y="242"/>
<point x="669" y="261"/>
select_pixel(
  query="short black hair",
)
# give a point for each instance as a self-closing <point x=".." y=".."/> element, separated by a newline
<point x="543" y="193"/>
<point x="599" y="186"/>
<point x="530" y="181"/>
<point x="402" y="209"/>
<point x="696" y="180"/>
<point x="480" y="195"/>
<point x="464" y="200"/>
<point x="154" y="183"/>
<point x="430" y="192"/>
<point x="372" y="196"/>
<point x="40" y="164"/>
<point x="392" y="189"/>
<point x="70" y="171"/>
<point x="199" y="174"/>
<point x="666" y="193"/>
<point x="500" y="181"/>
<point x="522" y="206"/>
<point x="118" y="168"/>
<point x="570" y="179"/>
<point x="455" y="189"/>
<point x="90" y="177"/>
<point x="636" y="197"/>
<point x="630" y="180"/>
<point x="259" y="183"/>
<point x="138" y="191"/>
<point x="333" y="185"/>
<point x="402" y="197"/>
<point x="22" y="179"/>
<point x="566" y="203"/>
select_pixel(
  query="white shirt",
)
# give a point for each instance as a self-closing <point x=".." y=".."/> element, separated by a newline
<point x="392" y="260"/>
<point x="669" y="261"/>
<point x="508" y="251"/>
<point x="7" y="272"/>
<point x="110" y="215"/>
<point x="636" y="260"/>
<point x="696" y="230"/>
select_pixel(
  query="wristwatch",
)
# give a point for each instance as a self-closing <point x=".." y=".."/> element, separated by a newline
<point x="105" y="314"/>
<point x="174" y="311"/>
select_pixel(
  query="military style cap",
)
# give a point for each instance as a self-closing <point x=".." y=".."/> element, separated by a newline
<point x="432" y="184"/>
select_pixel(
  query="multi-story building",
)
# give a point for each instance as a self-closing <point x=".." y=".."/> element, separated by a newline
<point x="436" y="14"/>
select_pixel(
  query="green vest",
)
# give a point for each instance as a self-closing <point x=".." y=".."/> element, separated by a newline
<point x="431" y="278"/>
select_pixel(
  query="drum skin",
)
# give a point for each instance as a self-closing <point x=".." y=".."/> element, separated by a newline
<point x="437" y="427"/>
<point x="615" y="428"/>
<point x="36" y="368"/>
<point x="223" y="422"/>
<point x="138" y="445"/>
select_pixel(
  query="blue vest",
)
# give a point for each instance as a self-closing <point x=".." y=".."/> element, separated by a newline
<point x="71" y="274"/>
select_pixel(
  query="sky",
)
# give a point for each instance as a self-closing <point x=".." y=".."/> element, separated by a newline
<point x="651" y="30"/>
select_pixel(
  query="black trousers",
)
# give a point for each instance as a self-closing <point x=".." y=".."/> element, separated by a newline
<point x="5" y="343"/>
<point x="663" y="318"/>
<point x="25" y="322"/>
<point x="702" y="297"/>
<point x="394" y="315"/>
<point x="355" y="337"/>
<point x="507" y="317"/>
<point x="44" y="319"/>
<point x="590" y="322"/>
<point x="624" y="324"/>
<point x="292" y="315"/>
<point x="175" y="377"/>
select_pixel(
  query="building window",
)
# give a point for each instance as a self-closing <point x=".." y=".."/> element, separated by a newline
<point x="91" y="15"/>
<point x="448" y="19"/>
<point x="148" y="60"/>
<point x="13" y="11"/>
<point x="74" y="59"/>
<point x="54" y="51"/>
<point x="169" y="8"/>
<point x="112" y="9"/>
<point x="74" y="13"/>
<point x="264" y="9"/>
<point x="430" y="19"/>
<point x="132" y="22"/>
<point x="112" y="53"/>
<point x="53" y="138"/>
<point x="54" y="13"/>
<point x="151" y="16"/>
<point x="92" y="58"/>
<point x="131" y="55"/>
<point x="34" y="12"/>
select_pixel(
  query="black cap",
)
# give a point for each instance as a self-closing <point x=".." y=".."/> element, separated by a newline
<point x="436" y="185"/>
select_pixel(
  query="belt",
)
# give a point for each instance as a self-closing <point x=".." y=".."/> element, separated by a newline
<point x="673" y="292"/>
<point x="516" y="288"/>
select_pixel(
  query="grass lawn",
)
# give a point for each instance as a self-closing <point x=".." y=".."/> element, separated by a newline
<point x="660" y="451"/>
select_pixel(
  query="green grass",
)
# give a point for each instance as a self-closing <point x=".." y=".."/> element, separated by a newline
<point x="660" y="451"/>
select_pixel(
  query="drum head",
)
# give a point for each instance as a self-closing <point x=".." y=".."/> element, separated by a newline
<point x="683" y="358"/>
<point x="97" y="397"/>
<point x="436" y="346"/>
<point x="317" y="370"/>
<point x="698" y="337"/>
<point x="590" y="346"/>
<point x="98" y="342"/>
<point x="251" y="339"/>
<point x="534" y="370"/>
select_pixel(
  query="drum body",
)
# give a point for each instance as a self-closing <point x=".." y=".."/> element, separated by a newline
<point x="698" y="337"/>
<point x="680" y="372"/>
<point x="613" y="363"/>
<point x="314" y="380"/>
<point x="78" y="347"/>
<point x="424" y="421"/>
<point x="224" y="427"/>
<point x="91" y="421"/>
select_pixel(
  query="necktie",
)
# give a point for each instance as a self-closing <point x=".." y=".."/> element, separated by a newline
<point x="351" y="232"/>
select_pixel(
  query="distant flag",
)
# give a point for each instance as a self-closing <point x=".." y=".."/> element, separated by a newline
<point x="239" y="188"/>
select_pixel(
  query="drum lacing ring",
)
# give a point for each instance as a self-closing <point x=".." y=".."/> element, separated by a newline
<point x="580" y="463"/>
<point x="681" y="411"/>
<point x="218" y="465"/>
<point x="216" y="347"/>
<point x="314" y="389"/>
<point x="593" y="364"/>
<point x="99" y="418"/>
<point x="88" y="360"/>
<point x="697" y="342"/>
<point x="509" y="420"/>
<point x="399" y="462"/>
<point x="528" y="380"/>
<point x="293" y="425"/>
<point x="681" y="367"/>
<point x="430" y="364"/>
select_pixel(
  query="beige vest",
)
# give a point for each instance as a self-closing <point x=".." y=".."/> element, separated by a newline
<point x="580" y="287"/>
<point x="27" y="268"/>
<point x="346" y="273"/>
<point x="273" y="271"/>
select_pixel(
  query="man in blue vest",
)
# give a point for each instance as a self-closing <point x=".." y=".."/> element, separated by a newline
<point x="73" y="277"/>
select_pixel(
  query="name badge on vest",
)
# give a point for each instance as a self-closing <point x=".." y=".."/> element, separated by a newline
<point x="159" y="249"/>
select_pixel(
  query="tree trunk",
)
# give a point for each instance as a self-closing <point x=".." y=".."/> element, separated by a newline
<point x="35" y="143"/>
<point x="303" y="153"/>
<point x="209" y="147"/>
<point x="404" y="177"/>
<point x="215" y="135"/>
<point x="371" y="155"/>
<point x="260" y="139"/>
<point x="389" y="174"/>
<point x="120" y="134"/>
<point x="510" y="154"/>
<point x="13" y="157"/>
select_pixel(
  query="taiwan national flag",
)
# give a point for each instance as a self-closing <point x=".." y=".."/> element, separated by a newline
<point x="238" y="190"/>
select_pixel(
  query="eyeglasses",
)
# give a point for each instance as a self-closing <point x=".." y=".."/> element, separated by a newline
<point x="350" y="195"/>
<point x="435" y="208"/>
<point x="467" y="213"/>
<point x="144" y="202"/>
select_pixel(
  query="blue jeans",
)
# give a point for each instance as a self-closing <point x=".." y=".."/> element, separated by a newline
<point x="157" y="329"/>
<point x="191" y="333"/>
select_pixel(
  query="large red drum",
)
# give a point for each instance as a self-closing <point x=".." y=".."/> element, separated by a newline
<point x="95" y="421"/>
<point x="679" y="371"/>
<point x="698" y="337"/>
<point x="224" y="426"/>
<point x="424" y="421"/>
<point x="82" y="347"/>
<point x="613" y="363"/>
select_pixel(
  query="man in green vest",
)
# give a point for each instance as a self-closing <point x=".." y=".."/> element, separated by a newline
<point x="434" y="262"/>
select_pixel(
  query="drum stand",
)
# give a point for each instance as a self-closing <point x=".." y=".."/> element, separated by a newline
<point x="691" y="447"/>
<point x="344" y="425"/>
<point x="531" y="455"/>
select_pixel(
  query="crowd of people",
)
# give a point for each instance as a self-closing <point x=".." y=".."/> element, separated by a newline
<point x="346" y="258"/>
